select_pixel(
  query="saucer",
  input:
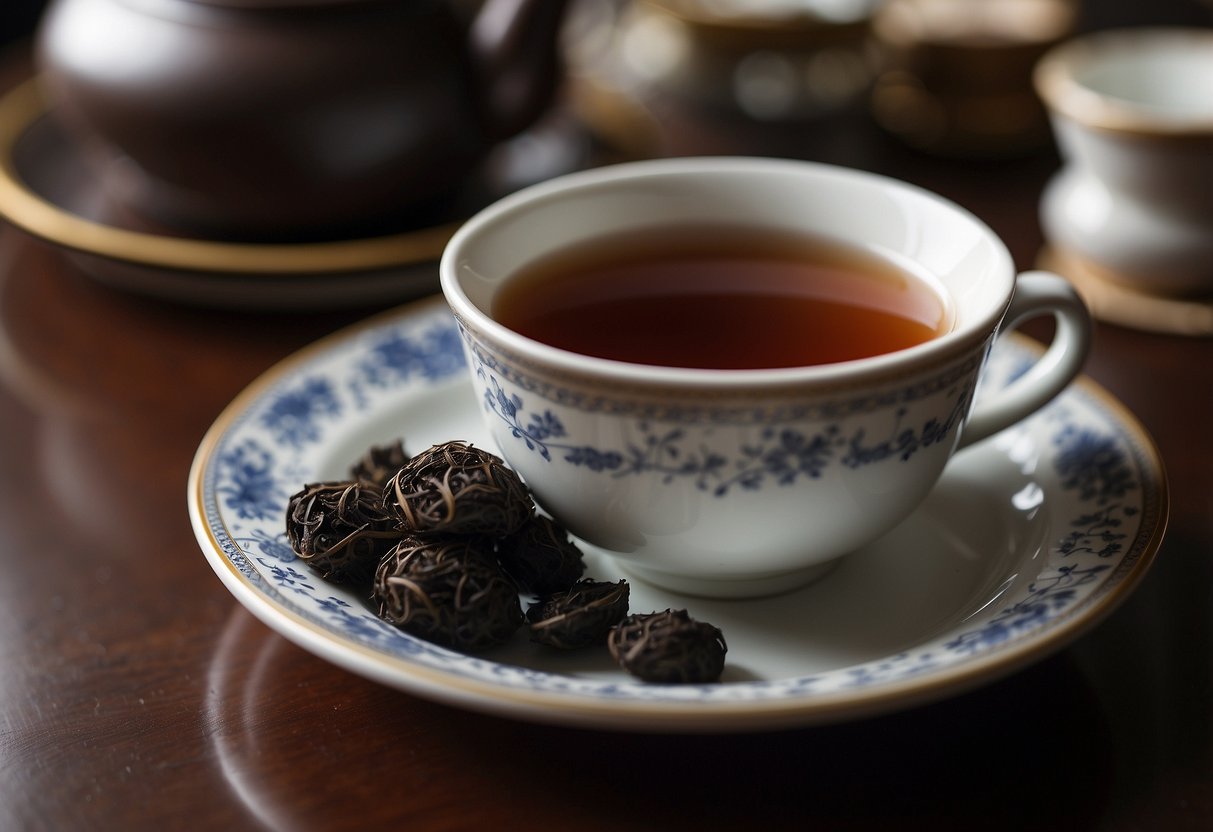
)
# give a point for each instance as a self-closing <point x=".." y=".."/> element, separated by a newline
<point x="48" y="189"/>
<point x="1113" y="300"/>
<point x="1029" y="539"/>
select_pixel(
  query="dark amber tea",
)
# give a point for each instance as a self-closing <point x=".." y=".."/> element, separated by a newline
<point x="721" y="298"/>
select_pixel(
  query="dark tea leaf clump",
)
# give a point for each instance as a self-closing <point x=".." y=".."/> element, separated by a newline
<point x="444" y="542"/>
<point x="668" y="647"/>
<point x="380" y="462"/>
<point x="455" y="488"/>
<point x="540" y="557"/>
<point x="340" y="529"/>
<point x="444" y="589"/>
<point x="579" y="617"/>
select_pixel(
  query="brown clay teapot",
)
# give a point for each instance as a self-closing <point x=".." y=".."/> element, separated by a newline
<point x="287" y="117"/>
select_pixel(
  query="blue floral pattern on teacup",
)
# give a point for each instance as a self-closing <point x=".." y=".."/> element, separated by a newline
<point x="515" y="374"/>
<point x="782" y="455"/>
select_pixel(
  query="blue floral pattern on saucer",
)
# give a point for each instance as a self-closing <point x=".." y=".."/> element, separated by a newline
<point x="1101" y="483"/>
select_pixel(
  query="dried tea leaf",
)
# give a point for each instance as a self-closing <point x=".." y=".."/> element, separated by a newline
<point x="540" y="557"/>
<point x="380" y="463"/>
<point x="579" y="617"/>
<point x="340" y="529"/>
<point x="449" y="590"/>
<point x="455" y="488"/>
<point x="668" y="647"/>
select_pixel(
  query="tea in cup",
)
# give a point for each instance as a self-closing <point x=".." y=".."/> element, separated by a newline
<point x="1132" y="110"/>
<point x="728" y="373"/>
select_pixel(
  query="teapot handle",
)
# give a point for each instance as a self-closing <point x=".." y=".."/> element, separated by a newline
<point x="515" y="51"/>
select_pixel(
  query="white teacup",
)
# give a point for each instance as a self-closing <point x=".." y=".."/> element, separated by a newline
<point x="736" y="483"/>
<point x="1133" y="113"/>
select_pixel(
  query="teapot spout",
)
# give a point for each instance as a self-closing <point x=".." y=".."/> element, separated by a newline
<point x="516" y="55"/>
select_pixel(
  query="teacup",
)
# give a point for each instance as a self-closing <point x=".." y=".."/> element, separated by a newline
<point x="1132" y="110"/>
<point x="745" y="482"/>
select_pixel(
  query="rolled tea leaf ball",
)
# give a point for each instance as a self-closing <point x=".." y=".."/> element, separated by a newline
<point x="455" y="488"/>
<point x="380" y="462"/>
<point x="668" y="647"/>
<point x="579" y="617"/>
<point x="446" y="589"/>
<point x="540" y="557"/>
<point x="340" y="530"/>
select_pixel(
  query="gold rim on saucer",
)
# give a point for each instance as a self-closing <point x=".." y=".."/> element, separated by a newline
<point x="1112" y="301"/>
<point x="31" y="211"/>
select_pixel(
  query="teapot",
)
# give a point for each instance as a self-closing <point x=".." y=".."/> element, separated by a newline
<point x="272" y="118"/>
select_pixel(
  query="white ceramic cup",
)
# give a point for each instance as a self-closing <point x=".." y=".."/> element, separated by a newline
<point x="1132" y="110"/>
<point x="737" y="483"/>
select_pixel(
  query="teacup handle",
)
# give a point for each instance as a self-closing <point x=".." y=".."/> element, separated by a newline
<point x="1036" y="293"/>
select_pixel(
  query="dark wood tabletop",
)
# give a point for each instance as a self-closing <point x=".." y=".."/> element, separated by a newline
<point x="137" y="693"/>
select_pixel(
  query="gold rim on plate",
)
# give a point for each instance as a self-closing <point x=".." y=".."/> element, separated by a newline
<point x="21" y="205"/>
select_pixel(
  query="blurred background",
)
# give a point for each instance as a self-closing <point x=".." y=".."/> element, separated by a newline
<point x="948" y="76"/>
<point x="939" y="92"/>
<point x="18" y="18"/>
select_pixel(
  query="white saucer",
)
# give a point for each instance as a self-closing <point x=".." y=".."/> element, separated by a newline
<point x="1030" y="538"/>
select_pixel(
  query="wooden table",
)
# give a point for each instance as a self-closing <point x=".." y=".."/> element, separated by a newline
<point x="136" y="693"/>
